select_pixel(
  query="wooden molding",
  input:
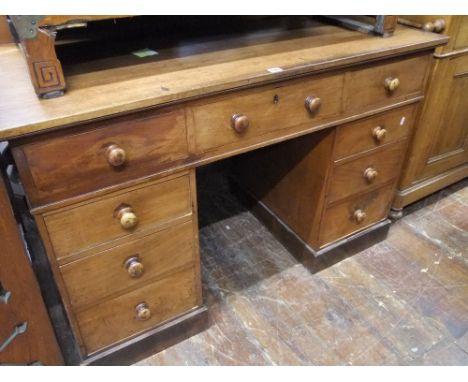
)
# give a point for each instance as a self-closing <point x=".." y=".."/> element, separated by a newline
<point x="428" y="186"/>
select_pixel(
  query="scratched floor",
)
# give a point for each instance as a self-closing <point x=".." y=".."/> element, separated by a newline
<point x="403" y="301"/>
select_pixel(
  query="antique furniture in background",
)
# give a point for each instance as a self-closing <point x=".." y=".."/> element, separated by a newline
<point x="26" y="334"/>
<point x="438" y="155"/>
<point x="109" y="171"/>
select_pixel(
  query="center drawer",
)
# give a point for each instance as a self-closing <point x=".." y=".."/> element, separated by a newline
<point x="236" y="119"/>
<point x="86" y="225"/>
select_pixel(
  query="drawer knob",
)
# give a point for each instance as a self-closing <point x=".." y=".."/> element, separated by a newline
<point x="143" y="312"/>
<point x="370" y="174"/>
<point x="134" y="267"/>
<point x="240" y="123"/>
<point x="126" y="216"/>
<point x="439" y="25"/>
<point x="115" y="155"/>
<point x="428" y="27"/>
<point x="359" y="216"/>
<point x="392" y="84"/>
<point x="313" y="103"/>
<point x="379" y="133"/>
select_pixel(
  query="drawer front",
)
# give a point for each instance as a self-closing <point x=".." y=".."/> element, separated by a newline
<point x="267" y="109"/>
<point x="118" y="319"/>
<point x="343" y="219"/>
<point x="366" y="173"/>
<point x="60" y="167"/>
<point x="93" y="278"/>
<point x="86" y="225"/>
<point x="367" y="88"/>
<point x="373" y="132"/>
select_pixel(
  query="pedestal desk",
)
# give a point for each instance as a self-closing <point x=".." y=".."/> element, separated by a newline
<point x="324" y="115"/>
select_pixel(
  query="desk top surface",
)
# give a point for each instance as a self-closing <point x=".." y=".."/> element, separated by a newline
<point x="101" y="88"/>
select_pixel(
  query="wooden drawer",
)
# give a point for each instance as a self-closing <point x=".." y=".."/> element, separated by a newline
<point x="268" y="110"/>
<point x="67" y="165"/>
<point x="93" y="278"/>
<point x="363" y="135"/>
<point x="340" y="221"/>
<point x="366" y="173"/>
<point x="86" y="225"/>
<point x="365" y="88"/>
<point x="117" y="319"/>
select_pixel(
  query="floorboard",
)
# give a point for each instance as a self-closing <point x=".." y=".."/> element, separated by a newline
<point x="403" y="301"/>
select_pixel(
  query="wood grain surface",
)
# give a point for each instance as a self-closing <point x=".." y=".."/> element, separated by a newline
<point x="364" y="88"/>
<point x="101" y="93"/>
<point x="268" y="109"/>
<point x="349" y="178"/>
<point x="358" y="136"/>
<point x="93" y="278"/>
<point x="37" y="344"/>
<point x="86" y="226"/>
<point x="399" y="302"/>
<point x="68" y="165"/>
<point x="114" y="320"/>
<point x="338" y="220"/>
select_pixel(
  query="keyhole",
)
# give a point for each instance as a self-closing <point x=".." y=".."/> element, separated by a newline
<point x="275" y="99"/>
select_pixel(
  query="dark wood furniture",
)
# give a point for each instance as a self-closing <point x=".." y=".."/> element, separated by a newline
<point x="112" y="182"/>
<point x="438" y="155"/>
<point x="26" y="334"/>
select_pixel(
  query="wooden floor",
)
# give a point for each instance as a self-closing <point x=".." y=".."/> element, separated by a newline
<point x="403" y="301"/>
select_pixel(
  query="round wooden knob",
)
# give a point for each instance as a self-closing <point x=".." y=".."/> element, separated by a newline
<point x="115" y="155"/>
<point x="134" y="267"/>
<point x="143" y="312"/>
<point x="240" y="123"/>
<point x="370" y="174"/>
<point x="126" y="217"/>
<point x="359" y="216"/>
<point x="379" y="133"/>
<point x="439" y="25"/>
<point x="392" y="84"/>
<point x="313" y="103"/>
<point x="428" y="27"/>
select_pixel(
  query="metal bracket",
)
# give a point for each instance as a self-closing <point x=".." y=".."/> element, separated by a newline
<point x="19" y="329"/>
<point x="361" y="26"/>
<point x="26" y="26"/>
<point x="4" y="295"/>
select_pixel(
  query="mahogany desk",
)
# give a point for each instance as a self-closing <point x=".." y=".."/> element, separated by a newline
<point x="109" y="169"/>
